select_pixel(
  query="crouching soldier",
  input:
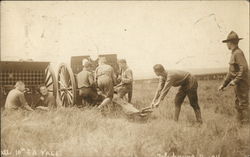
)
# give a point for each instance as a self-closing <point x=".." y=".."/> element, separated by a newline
<point x="47" y="99"/>
<point x="16" y="99"/>
<point x="238" y="77"/>
<point x="187" y="87"/>
<point x="86" y="85"/>
<point x="126" y="81"/>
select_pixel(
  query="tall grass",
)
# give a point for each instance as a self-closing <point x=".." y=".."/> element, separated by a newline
<point x="74" y="132"/>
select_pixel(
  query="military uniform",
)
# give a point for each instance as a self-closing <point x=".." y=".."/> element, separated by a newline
<point x="85" y="81"/>
<point x="238" y="72"/>
<point x="126" y="85"/>
<point x="16" y="100"/>
<point x="106" y="79"/>
<point x="48" y="100"/>
<point x="239" y="75"/>
<point x="187" y="87"/>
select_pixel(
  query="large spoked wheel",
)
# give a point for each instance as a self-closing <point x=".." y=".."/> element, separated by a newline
<point x="66" y="86"/>
<point x="50" y="80"/>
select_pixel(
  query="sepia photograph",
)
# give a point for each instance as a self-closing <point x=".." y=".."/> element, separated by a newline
<point x="125" y="78"/>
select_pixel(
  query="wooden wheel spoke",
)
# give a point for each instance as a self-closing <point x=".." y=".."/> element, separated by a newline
<point x="62" y="94"/>
<point x="70" y="94"/>
<point x="63" y="99"/>
<point x="46" y="71"/>
<point x="48" y="85"/>
<point x="69" y="82"/>
<point x="62" y="83"/>
<point x="47" y="79"/>
<point x="64" y="73"/>
<point x="62" y="78"/>
<point x="50" y="80"/>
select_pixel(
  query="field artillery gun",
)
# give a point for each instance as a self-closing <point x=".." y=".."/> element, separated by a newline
<point x="68" y="91"/>
<point x="31" y="73"/>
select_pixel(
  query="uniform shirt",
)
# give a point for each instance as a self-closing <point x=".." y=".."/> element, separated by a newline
<point x="105" y="71"/>
<point x="127" y="76"/>
<point x="48" y="100"/>
<point x="15" y="100"/>
<point x="172" y="78"/>
<point x="238" y="68"/>
<point x="85" y="79"/>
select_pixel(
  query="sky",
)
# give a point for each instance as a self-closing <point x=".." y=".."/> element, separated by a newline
<point x="177" y="34"/>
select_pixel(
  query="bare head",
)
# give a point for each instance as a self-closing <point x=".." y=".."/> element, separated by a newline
<point x="87" y="65"/>
<point x="20" y="86"/>
<point x="122" y="63"/>
<point x="159" y="70"/>
<point x="43" y="90"/>
<point x="102" y="60"/>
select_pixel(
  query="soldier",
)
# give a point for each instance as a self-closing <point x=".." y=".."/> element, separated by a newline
<point x="16" y="99"/>
<point x="126" y="81"/>
<point x="47" y="99"/>
<point x="106" y="79"/>
<point x="188" y="87"/>
<point x="237" y="77"/>
<point x="86" y="84"/>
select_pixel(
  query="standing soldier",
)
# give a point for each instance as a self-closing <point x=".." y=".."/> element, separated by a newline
<point x="16" y="99"/>
<point x="237" y="77"/>
<point x="188" y="87"/>
<point x="106" y="79"/>
<point x="86" y="85"/>
<point x="126" y="81"/>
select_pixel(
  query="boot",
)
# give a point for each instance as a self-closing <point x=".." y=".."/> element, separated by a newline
<point x="245" y="117"/>
<point x="198" y="115"/>
<point x="239" y="116"/>
<point x="177" y="113"/>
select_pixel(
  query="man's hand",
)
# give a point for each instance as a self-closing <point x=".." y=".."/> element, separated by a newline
<point x="155" y="105"/>
<point x="42" y="98"/>
<point x="232" y="83"/>
<point x="119" y="78"/>
<point x="42" y="108"/>
<point x="221" y="88"/>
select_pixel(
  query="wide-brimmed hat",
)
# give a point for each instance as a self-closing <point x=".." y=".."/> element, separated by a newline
<point x="232" y="36"/>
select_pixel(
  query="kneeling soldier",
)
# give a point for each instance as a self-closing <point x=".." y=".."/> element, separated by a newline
<point x="188" y="87"/>
<point x="16" y="99"/>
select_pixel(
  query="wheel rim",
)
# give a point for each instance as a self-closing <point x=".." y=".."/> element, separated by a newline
<point x="50" y="80"/>
<point x="66" y="86"/>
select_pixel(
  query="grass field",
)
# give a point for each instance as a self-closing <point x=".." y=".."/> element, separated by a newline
<point x="74" y="132"/>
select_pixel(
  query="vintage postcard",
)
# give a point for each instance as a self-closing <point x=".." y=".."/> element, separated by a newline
<point x="125" y="79"/>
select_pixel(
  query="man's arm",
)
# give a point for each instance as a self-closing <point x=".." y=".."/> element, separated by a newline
<point x="91" y="79"/>
<point x="227" y="80"/>
<point x="24" y="102"/>
<point x="239" y="60"/>
<point x="165" y="89"/>
<point x="129" y="77"/>
<point x="113" y="76"/>
<point x="159" y="89"/>
<point x="95" y="76"/>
